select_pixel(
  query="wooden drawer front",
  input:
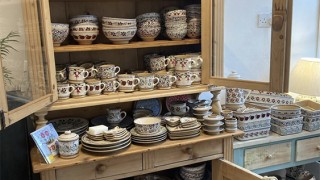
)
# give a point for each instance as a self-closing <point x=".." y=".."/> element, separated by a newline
<point x="308" y="149"/>
<point x="187" y="152"/>
<point x="111" y="167"/>
<point x="267" y="156"/>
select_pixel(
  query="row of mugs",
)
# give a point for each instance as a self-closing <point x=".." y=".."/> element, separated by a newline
<point x="86" y="71"/>
<point x="155" y="62"/>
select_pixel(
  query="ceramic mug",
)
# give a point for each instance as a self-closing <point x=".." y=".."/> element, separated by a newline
<point x="185" y="78"/>
<point x="61" y="73"/>
<point x="147" y="81"/>
<point x="198" y="61"/>
<point x="64" y="90"/>
<point x="95" y="86"/>
<point x="80" y="89"/>
<point x="77" y="74"/>
<point x="158" y="63"/>
<point x="171" y="62"/>
<point x="107" y="71"/>
<point x="184" y="62"/>
<point x="165" y="80"/>
<point x="236" y="96"/>
<point x="115" y="116"/>
<point x="90" y="68"/>
<point x="179" y="108"/>
<point x="146" y="60"/>
<point x="198" y="73"/>
<point x="127" y="82"/>
<point x="111" y="85"/>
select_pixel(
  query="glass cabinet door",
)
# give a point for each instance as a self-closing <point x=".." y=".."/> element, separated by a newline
<point x="27" y="84"/>
<point x="247" y="43"/>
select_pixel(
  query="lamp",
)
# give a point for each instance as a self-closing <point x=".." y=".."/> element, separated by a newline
<point x="305" y="77"/>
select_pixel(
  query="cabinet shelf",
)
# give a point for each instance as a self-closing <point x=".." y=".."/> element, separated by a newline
<point x="131" y="45"/>
<point x="120" y="97"/>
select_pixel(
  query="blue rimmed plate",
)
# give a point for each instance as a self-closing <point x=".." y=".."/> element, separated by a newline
<point x="152" y="104"/>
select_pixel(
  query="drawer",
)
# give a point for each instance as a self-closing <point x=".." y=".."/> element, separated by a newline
<point x="187" y="152"/>
<point x="308" y="149"/>
<point x="265" y="156"/>
<point x="110" y="167"/>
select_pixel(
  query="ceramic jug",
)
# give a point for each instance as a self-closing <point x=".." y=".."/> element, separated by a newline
<point x="236" y="97"/>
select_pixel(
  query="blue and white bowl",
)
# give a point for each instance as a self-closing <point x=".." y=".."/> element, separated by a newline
<point x="59" y="33"/>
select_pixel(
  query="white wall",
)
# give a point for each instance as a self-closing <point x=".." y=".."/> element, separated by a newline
<point x="11" y="19"/>
<point x="246" y="47"/>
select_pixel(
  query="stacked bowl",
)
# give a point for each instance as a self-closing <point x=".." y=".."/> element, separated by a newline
<point x="213" y="124"/>
<point x="84" y="29"/>
<point x="119" y="30"/>
<point x="149" y="26"/>
<point x="59" y="33"/>
<point x="193" y="20"/>
<point x="176" y="24"/>
<point x="193" y="172"/>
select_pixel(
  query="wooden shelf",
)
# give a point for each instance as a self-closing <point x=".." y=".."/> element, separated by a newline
<point x="85" y="157"/>
<point x="131" y="45"/>
<point x="120" y="97"/>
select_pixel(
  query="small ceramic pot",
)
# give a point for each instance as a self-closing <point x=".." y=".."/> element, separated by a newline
<point x="165" y="80"/>
<point x="184" y="62"/>
<point x="158" y="63"/>
<point x="64" y="90"/>
<point x="95" y="86"/>
<point x="107" y="71"/>
<point x="77" y="74"/>
<point x="115" y="116"/>
<point x="179" y="108"/>
<point x="227" y="114"/>
<point x="147" y="81"/>
<point x="185" y="78"/>
<point x="91" y="70"/>
<point x="127" y="82"/>
<point x="111" y="85"/>
<point x="68" y="145"/>
<point x="61" y="73"/>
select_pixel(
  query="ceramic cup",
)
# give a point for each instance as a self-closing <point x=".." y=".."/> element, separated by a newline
<point x="171" y="62"/>
<point x="107" y="71"/>
<point x="179" y="108"/>
<point x="77" y="74"/>
<point x="197" y="61"/>
<point x="184" y="62"/>
<point x="111" y="85"/>
<point x="146" y="60"/>
<point x="61" y="73"/>
<point x="90" y="68"/>
<point x="95" y="86"/>
<point x="158" y="63"/>
<point x="185" y="78"/>
<point x="115" y="116"/>
<point x="80" y="89"/>
<point x="64" y="90"/>
<point x="147" y="81"/>
<point x="165" y="80"/>
<point x="197" y="72"/>
<point x="127" y="82"/>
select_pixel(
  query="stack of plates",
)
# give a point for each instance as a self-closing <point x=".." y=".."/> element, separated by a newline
<point x="149" y="138"/>
<point x="97" y="137"/>
<point x="172" y="120"/>
<point x="187" y="122"/>
<point x="180" y="132"/>
<point x="115" y="134"/>
<point x="105" y="146"/>
<point x="74" y="124"/>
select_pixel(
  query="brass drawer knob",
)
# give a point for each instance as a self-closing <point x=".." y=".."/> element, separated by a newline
<point x="189" y="150"/>
<point x="101" y="168"/>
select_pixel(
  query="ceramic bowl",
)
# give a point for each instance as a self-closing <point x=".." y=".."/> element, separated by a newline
<point x="147" y="125"/>
<point x="59" y="33"/>
<point x="196" y="168"/>
<point x="83" y="18"/>
<point x="176" y="35"/>
<point x="85" y="37"/>
<point x="193" y="33"/>
<point x="231" y="130"/>
<point x="199" y="109"/>
<point x="153" y="16"/>
<point x="177" y="27"/>
<point x="149" y="24"/>
<point x="213" y="127"/>
<point x="176" y="13"/>
<point x="120" y="35"/>
<point x="84" y="27"/>
<point x="286" y="109"/>
<point x="212" y="119"/>
<point x="148" y="34"/>
<point x="110" y="22"/>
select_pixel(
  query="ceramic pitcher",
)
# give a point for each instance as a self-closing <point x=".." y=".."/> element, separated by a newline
<point x="236" y="97"/>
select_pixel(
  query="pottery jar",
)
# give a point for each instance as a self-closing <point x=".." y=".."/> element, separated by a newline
<point x="165" y="80"/>
<point x="68" y="145"/>
<point x="184" y="62"/>
<point x="158" y="63"/>
<point x="147" y="81"/>
<point x="107" y="71"/>
<point x="90" y="68"/>
<point x="184" y="78"/>
<point x="80" y="89"/>
<point x="64" y="90"/>
<point x="95" y="86"/>
<point x="77" y="74"/>
<point x="111" y="85"/>
<point x="127" y="82"/>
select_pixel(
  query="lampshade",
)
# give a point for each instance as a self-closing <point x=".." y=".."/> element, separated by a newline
<point x="305" y="77"/>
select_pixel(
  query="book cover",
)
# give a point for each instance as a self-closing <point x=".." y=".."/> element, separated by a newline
<point x="46" y="139"/>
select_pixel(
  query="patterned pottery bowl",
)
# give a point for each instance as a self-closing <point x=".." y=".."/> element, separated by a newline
<point x="109" y="22"/>
<point x="147" y="125"/>
<point x="120" y="35"/>
<point x="153" y="16"/>
<point x="59" y="33"/>
<point x="148" y="34"/>
<point x="83" y="19"/>
<point x="85" y="37"/>
<point x="84" y="27"/>
<point x="176" y="13"/>
<point x="176" y="34"/>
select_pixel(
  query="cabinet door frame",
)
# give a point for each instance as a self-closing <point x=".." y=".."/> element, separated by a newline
<point x="43" y="98"/>
<point x="212" y="43"/>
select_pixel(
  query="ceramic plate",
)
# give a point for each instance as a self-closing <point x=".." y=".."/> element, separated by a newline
<point x="127" y="122"/>
<point x="184" y="137"/>
<point x="107" y="147"/>
<point x="179" y="128"/>
<point x="151" y="104"/>
<point x="213" y="132"/>
<point x="69" y="123"/>
<point x="88" y="141"/>
<point x="148" y="138"/>
<point x="184" y="134"/>
<point x="150" y="142"/>
<point x="171" y="99"/>
<point x="162" y="131"/>
<point x="106" y="151"/>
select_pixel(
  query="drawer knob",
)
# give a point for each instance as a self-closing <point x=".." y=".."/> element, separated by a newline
<point x="269" y="156"/>
<point x="101" y="168"/>
<point x="189" y="151"/>
<point x="318" y="147"/>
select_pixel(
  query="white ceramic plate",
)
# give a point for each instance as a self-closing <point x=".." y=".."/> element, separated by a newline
<point x="184" y="137"/>
<point x="162" y="131"/>
<point x="106" y="151"/>
<point x="180" y="128"/>
<point x="88" y="141"/>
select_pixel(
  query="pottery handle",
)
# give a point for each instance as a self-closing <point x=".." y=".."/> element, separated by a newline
<point x="187" y="108"/>
<point x="123" y="114"/>
<point x="71" y="89"/>
<point x="173" y="79"/>
<point x="156" y="81"/>
<point x="116" y="85"/>
<point x="136" y="81"/>
<point x="87" y="87"/>
<point x="102" y="85"/>
<point x="85" y="74"/>
<point x="116" y="69"/>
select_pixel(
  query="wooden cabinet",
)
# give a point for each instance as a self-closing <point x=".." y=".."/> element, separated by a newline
<point x="308" y="149"/>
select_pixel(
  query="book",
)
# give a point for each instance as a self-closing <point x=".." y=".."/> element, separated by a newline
<point x="46" y="139"/>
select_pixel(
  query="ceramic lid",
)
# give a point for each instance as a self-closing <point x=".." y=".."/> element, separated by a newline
<point x="234" y="75"/>
<point x="68" y="136"/>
